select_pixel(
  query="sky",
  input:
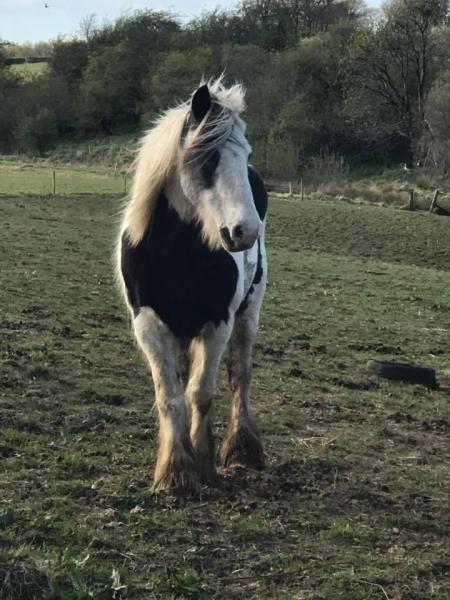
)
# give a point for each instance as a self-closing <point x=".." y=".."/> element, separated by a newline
<point x="31" y="20"/>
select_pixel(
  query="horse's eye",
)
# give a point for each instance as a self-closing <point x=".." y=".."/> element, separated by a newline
<point x="210" y="167"/>
<point x="213" y="160"/>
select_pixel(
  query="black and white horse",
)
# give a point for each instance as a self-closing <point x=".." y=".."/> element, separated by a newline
<point x="193" y="266"/>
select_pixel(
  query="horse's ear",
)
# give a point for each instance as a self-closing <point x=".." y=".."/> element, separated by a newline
<point x="201" y="103"/>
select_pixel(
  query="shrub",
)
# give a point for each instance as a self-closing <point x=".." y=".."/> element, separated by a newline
<point x="37" y="132"/>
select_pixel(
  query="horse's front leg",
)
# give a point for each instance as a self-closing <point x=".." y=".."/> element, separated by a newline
<point x="242" y="444"/>
<point x="176" y="467"/>
<point x="205" y="353"/>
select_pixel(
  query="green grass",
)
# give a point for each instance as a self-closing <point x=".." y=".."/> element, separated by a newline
<point x="30" y="70"/>
<point x="20" y="178"/>
<point x="354" y="502"/>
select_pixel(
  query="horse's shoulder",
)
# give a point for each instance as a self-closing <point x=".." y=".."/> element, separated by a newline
<point x="259" y="191"/>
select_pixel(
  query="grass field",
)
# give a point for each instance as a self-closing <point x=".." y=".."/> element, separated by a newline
<point x="354" y="502"/>
<point x="30" y="70"/>
<point x="21" y="178"/>
<point x="100" y="165"/>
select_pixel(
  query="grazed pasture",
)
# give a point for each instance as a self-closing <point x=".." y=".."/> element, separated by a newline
<point x="22" y="178"/>
<point x="354" y="503"/>
<point x="30" y="70"/>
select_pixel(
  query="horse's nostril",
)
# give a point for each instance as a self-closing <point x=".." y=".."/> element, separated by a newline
<point x="225" y="233"/>
<point x="238" y="232"/>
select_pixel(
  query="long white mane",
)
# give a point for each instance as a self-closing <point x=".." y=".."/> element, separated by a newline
<point x="160" y="152"/>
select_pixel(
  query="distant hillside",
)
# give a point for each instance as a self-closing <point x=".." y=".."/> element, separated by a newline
<point x="28" y="69"/>
<point x="116" y="151"/>
<point x="20" y="60"/>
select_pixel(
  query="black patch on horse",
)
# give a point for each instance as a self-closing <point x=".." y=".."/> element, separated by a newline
<point x="173" y="272"/>
<point x="259" y="192"/>
<point x="209" y="168"/>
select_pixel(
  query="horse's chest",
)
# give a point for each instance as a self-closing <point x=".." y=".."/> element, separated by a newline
<point x="173" y="272"/>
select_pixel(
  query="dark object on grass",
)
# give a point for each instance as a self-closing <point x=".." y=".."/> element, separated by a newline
<point x="408" y="372"/>
<point x="439" y="210"/>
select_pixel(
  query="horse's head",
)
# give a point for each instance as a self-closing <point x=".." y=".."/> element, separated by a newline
<point x="213" y="172"/>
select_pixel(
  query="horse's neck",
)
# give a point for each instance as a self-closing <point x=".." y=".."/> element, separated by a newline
<point x="189" y="213"/>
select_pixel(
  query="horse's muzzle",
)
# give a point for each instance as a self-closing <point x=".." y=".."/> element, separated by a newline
<point x="237" y="240"/>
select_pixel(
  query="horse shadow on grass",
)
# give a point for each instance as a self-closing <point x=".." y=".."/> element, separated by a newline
<point x="280" y="481"/>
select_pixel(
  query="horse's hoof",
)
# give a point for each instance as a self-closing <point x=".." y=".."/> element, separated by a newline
<point x="207" y="473"/>
<point x="180" y="483"/>
<point x="177" y="474"/>
<point x="243" y="447"/>
<point x="205" y="455"/>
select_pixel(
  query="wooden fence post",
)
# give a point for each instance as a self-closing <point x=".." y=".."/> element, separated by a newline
<point x="290" y="189"/>
<point x="433" y="202"/>
<point x="54" y="182"/>
<point x="301" y="188"/>
<point x="411" y="199"/>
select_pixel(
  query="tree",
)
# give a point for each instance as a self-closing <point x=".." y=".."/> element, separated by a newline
<point x="120" y="59"/>
<point x="39" y="49"/>
<point x="69" y="59"/>
<point x="411" y="23"/>
<point x="37" y="132"/>
<point x="310" y="121"/>
<point x="259" y="71"/>
<point x="88" y="27"/>
<point x="9" y="84"/>
<point x="44" y="111"/>
<point x="176" y="76"/>
<point x="310" y="17"/>
<point x="146" y="32"/>
<point x="109" y="92"/>
<point x="392" y="63"/>
<point x="437" y="116"/>
<point x="281" y="23"/>
<point x="218" y="28"/>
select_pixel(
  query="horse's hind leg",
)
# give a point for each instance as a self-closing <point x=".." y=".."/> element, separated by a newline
<point x="176" y="468"/>
<point x="242" y="444"/>
<point x="205" y="353"/>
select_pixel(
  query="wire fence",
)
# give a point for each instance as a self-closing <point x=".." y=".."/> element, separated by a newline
<point x="20" y="179"/>
<point x="17" y="178"/>
<point x="286" y="187"/>
<point x="44" y="180"/>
